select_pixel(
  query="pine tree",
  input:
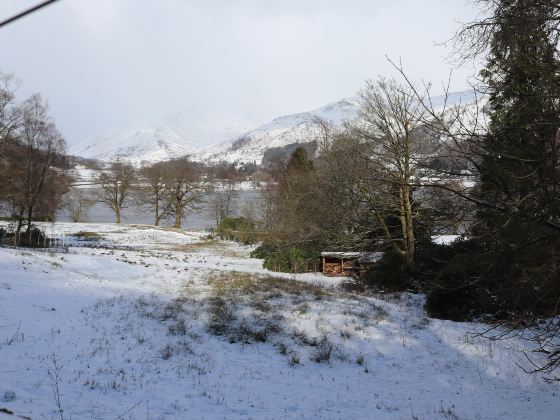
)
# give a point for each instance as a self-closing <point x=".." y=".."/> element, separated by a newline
<point x="520" y="166"/>
<point x="520" y="177"/>
<point x="299" y="161"/>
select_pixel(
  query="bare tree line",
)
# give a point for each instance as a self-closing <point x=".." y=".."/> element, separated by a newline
<point x="169" y="190"/>
<point x="31" y="158"/>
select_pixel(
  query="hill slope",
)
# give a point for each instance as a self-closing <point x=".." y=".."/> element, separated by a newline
<point x="280" y="132"/>
<point x="189" y="134"/>
<point x="170" y="137"/>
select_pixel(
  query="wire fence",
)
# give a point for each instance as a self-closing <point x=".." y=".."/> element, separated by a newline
<point x="22" y="240"/>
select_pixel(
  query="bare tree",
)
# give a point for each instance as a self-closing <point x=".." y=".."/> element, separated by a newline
<point x="154" y="191"/>
<point x="10" y="115"/>
<point x="30" y="179"/>
<point x="223" y="198"/>
<point x="388" y="118"/>
<point x="78" y="203"/>
<point x="185" y="188"/>
<point x="472" y="39"/>
<point x="115" y="187"/>
<point x="42" y="143"/>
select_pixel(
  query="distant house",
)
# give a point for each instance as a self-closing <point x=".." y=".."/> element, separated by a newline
<point x="348" y="263"/>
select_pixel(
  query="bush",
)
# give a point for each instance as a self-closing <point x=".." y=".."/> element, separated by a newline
<point x="287" y="259"/>
<point x="323" y="351"/>
<point x="477" y="279"/>
<point x="456" y="279"/>
<point x="390" y="274"/>
<point x="239" y="229"/>
<point x="32" y="238"/>
<point x="264" y="251"/>
<point x="453" y="294"/>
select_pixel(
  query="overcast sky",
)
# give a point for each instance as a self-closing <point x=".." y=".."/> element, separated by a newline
<point x="110" y="64"/>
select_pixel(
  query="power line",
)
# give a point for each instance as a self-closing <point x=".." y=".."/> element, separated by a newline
<point x="26" y="12"/>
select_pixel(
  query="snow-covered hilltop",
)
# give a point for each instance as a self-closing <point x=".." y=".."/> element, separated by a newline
<point x="167" y="138"/>
<point x="231" y="139"/>
<point x="280" y="132"/>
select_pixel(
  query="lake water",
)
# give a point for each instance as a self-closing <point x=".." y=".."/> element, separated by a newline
<point x="246" y="202"/>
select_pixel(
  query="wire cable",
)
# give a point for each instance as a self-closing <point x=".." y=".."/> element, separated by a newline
<point x="26" y="12"/>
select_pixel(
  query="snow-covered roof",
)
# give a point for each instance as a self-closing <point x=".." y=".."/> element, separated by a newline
<point x="361" y="256"/>
<point x="341" y="254"/>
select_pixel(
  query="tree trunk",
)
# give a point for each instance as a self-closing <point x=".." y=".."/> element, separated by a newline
<point x="409" y="227"/>
<point x="157" y="217"/>
<point x="18" y="230"/>
<point x="118" y="215"/>
<point x="29" y="216"/>
<point x="178" y="219"/>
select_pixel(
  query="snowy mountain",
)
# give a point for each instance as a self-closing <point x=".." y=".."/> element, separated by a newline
<point x="303" y="128"/>
<point x="288" y="129"/>
<point x="170" y="137"/>
<point x="189" y="134"/>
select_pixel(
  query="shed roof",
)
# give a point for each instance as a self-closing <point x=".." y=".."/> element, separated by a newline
<point x="342" y="254"/>
<point x="367" y="257"/>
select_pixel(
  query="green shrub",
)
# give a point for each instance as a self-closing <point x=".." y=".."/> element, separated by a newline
<point x="454" y="294"/>
<point x="288" y="259"/>
<point x="390" y="274"/>
<point x="456" y="279"/>
<point x="264" y="251"/>
<point x="239" y="229"/>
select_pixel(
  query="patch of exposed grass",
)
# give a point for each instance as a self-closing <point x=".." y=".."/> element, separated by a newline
<point x="87" y="236"/>
<point x="217" y="247"/>
<point x="243" y="284"/>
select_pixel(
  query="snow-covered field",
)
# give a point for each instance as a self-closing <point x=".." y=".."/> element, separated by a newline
<point x="135" y="322"/>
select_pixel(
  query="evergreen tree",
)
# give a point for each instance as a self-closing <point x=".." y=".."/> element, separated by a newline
<point x="299" y="161"/>
<point x="511" y="267"/>
<point x="520" y="174"/>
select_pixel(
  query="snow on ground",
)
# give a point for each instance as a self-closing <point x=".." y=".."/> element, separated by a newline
<point x="445" y="239"/>
<point x="136" y="322"/>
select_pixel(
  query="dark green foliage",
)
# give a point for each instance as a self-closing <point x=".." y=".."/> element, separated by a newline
<point x="455" y="292"/>
<point x="264" y="251"/>
<point x="288" y="259"/>
<point x="510" y="271"/>
<point x="391" y="274"/>
<point x="520" y="152"/>
<point x="239" y="229"/>
<point x="465" y="281"/>
<point x="299" y="161"/>
<point x="519" y="228"/>
<point x="450" y="274"/>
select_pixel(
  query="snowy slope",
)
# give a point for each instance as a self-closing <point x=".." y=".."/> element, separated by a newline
<point x="155" y="323"/>
<point x="170" y="137"/>
<point x="303" y="127"/>
<point x="183" y="134"/>
<point x="288" y="129"/>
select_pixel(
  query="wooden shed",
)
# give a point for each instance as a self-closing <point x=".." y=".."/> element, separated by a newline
<point x="348" y="263"/>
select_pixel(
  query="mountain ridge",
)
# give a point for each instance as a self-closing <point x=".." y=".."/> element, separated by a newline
<point x="182" y="134"/>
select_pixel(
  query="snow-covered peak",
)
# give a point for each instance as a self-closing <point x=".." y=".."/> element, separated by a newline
<point x="169" y="137"/>
<point x="288" y="129"/>
<point x="232" y="139"/>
